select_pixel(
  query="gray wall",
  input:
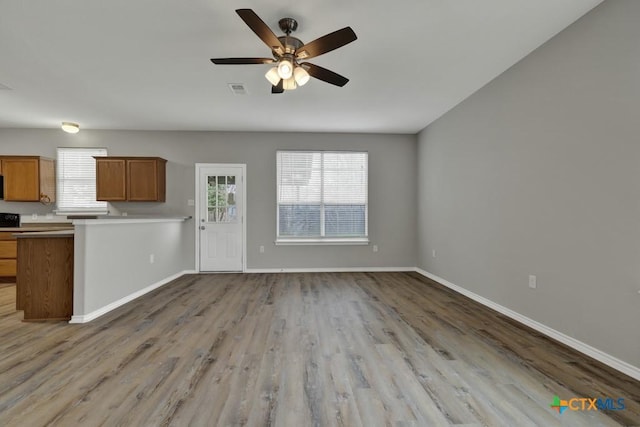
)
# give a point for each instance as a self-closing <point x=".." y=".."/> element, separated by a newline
<point x="539" y="173"/>
<point x="112" y="262"/>
<point x="392" y="186"/>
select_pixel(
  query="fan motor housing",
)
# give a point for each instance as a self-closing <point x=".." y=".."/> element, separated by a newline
<point x="290" y="43"/>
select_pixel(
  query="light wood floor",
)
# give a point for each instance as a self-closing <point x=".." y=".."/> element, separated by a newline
<point x="329" y="349"/>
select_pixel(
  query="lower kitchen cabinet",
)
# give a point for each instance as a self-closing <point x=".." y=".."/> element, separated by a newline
<point x="44" y="279"/>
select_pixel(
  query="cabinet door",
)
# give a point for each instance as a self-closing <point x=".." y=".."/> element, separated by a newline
<point x="21" y="180"/>
<point x="142" y="180"/>
<point x="47" y="181"/>
<point x="111" y="179"/>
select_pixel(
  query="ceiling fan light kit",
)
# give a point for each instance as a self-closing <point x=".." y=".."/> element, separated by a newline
<point x="287" y="73"/>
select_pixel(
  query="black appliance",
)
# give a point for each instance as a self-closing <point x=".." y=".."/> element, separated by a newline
<point x="9" y="220"/>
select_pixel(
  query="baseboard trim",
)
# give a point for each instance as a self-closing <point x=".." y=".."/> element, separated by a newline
<point x="330" y="270"/>
<point x="84" y="318"/>
<point x="584" y="348"/>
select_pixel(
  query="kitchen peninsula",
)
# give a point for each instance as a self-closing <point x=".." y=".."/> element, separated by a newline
<point x="120" y="258"/>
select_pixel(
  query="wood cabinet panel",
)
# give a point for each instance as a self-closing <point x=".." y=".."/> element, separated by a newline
<point x="44" y="281"/>
<point x="111" y="179"/>
<point x="144" y="183"/>
<point x="47" y="181"/>
<point x="7" y="254"/>
<point x="28" y="178"/>
<point x="22" y="179"/>
<point x="7" y="235"/>
<point x="8" y="249"/>
<point x="7" y="267"/>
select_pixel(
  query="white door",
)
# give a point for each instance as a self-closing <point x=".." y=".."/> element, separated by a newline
<point x="220" y="217"/>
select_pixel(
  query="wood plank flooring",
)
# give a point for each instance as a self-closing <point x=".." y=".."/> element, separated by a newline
<point x="321" y="349"/>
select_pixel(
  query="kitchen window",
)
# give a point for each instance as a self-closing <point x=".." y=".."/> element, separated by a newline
<point x="322" y="197"/>
<point x="76" y="181"/>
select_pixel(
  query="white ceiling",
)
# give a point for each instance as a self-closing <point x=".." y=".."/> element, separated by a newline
<point x="144" y="64"/>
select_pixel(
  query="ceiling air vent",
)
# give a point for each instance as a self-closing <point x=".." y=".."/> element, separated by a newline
<point x="238" y="88"/>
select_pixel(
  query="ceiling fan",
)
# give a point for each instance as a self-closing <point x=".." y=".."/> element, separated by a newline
<point x="288" y="52"/>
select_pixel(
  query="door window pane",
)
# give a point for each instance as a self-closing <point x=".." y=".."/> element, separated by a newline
<point x="221" y="199"/>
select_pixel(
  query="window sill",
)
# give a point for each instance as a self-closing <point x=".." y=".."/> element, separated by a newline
<point x="322" y="242"/>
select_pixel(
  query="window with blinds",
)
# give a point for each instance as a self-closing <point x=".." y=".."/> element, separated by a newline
<point x="76" y="180"/>
<point x="322" y="196"/>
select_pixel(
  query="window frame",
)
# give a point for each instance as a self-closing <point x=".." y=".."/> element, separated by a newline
<point x="322" y="239"/>
<point x="77" y="209"/>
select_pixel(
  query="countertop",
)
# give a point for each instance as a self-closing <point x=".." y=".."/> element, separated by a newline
<point x="128" y="219"/>
<point x="46" y="234"/>
<point x="35" y="229"/>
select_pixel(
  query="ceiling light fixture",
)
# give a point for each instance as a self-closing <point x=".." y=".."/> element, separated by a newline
<point x="285" y="69"/>
<point x="70" y="127"/>
<point x="288" y="71"/>
<point x="273" y="76"/>
<point x="301" y="75"/>
<point x="289" y="84"/>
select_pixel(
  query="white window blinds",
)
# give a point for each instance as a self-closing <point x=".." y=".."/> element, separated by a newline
<point x="322" y="195"/>
<point x="76" y="180"/>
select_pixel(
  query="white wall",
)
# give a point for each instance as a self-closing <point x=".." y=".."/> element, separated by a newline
<point x="392" y="187"/>
<point x="539" y="173"/>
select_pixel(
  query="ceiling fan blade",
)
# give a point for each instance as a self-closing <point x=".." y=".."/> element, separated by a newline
<point x="324" y="74"/>
<point x="238" y="61"/>
<point x="261" y="29"/>
<point x="279" y="88"/>
<point x="326" y="43"/>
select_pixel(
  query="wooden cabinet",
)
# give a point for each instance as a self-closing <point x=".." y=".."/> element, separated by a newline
<point x="44" y="282"/>
<point x="111" y="183"/>
<point x="131" y="179"/>
<point x="8" y="254"/>
<point x="28" y="179"/>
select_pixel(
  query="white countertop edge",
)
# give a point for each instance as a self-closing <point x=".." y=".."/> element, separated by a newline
<point x="45" y="234"/>
<point x="116" y="220"/>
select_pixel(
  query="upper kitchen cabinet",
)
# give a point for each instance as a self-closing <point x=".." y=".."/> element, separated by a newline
<point x="28" y="179"/>
<point x="111" y="182"/>
<point x="131" y="179"/>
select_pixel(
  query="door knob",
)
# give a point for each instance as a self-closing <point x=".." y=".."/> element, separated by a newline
<point x="202" y="227"/>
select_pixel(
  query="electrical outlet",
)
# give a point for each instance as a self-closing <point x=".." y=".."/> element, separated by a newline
<point x="533" y="282"/>
<point x="433" y="253"/>
<point x="375" y="248"/>
<point x="152" y="259"/>
<point x="261" y="249"/>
